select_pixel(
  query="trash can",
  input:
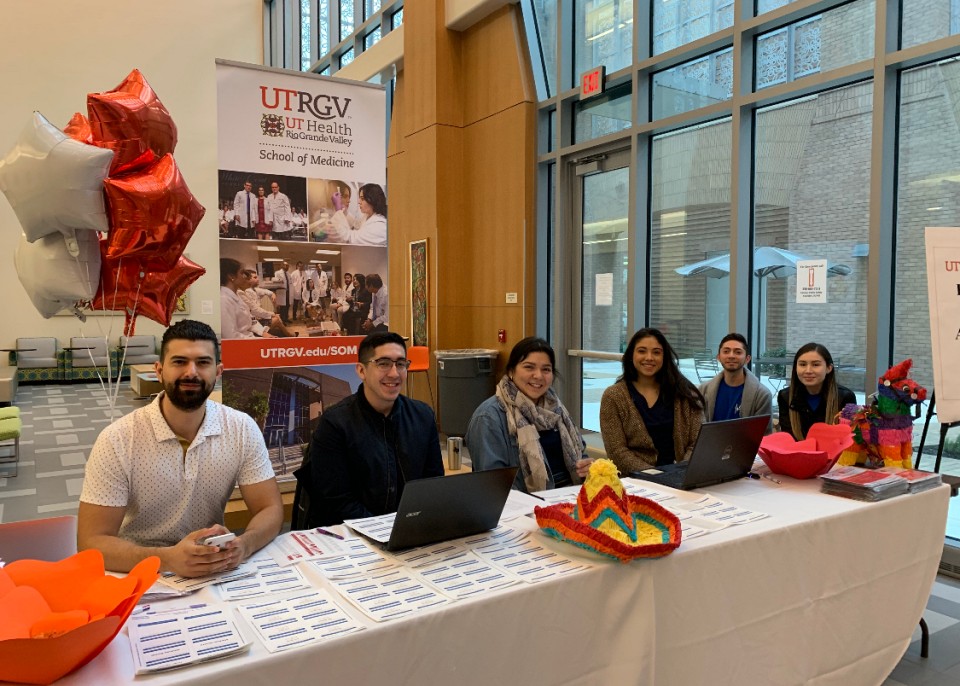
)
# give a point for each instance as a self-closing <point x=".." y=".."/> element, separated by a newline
<point x="465" y="381"/>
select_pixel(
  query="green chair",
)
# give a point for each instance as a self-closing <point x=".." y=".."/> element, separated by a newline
<point x="9" y="446"/>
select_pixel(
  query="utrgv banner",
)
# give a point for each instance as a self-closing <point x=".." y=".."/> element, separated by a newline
<point x="302" y="227"/>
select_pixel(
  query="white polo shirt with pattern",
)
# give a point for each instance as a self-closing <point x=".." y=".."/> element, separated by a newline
<point x="138" y="463"/>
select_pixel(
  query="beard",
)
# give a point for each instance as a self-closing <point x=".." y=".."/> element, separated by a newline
<point x="190" y="398"/>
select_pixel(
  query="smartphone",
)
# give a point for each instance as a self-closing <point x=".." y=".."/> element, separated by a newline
<point x="218" y="540"/>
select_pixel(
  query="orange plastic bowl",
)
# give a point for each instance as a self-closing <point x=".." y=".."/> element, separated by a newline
<point x="57" y="616"/>
<point x="811" y="457"/>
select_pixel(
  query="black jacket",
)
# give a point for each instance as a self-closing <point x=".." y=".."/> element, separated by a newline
<point x="808" y="417"/>
<point x="360" y="459"/>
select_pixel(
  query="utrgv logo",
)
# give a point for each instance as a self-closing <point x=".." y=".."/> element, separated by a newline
<point x="272" y="125"/>
<point x="320" y="106"/>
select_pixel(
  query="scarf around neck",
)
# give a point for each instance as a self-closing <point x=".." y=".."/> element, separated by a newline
<point x="526" y="419"/>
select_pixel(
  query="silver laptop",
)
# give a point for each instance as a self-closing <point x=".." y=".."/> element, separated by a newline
<point x="724" y="451"/>
<point x="442" y="508"/>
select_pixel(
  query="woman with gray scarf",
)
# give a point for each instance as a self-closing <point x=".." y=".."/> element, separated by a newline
<point x="525" y="425"/>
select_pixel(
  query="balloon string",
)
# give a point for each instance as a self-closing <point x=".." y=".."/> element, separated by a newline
<point x="106" y="342"/>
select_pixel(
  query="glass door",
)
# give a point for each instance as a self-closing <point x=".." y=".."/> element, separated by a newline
<point x="603" y="192"/>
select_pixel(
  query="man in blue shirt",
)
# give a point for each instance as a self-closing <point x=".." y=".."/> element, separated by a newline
<point x="734" y="392"/>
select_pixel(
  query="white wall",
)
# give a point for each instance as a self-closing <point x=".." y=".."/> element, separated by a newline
<point x="54" y="52"/>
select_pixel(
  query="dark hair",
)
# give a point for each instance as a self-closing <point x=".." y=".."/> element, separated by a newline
<point x="672" y="382"/>
<point x="361" y="282"/>
<point x="526" y="347"/>
<point x="375" y="340"/>
<point x="829" y="393"/>
<point x="228" y="267"/>
<point x="189" y="330"/>
<point x="374" y="281"/>
<point x="374" y="196"/>
<point x="348" y="274"/>
<point x="734" y="336"/>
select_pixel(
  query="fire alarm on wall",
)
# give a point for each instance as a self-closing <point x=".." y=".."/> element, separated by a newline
<point x="502" y="335"/>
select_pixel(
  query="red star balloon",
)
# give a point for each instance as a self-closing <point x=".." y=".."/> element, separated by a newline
<point x="152" y="215"/>
<point x="125" y="287"/>
<point x="78" y="128"/>
<point x="131" y="121"/>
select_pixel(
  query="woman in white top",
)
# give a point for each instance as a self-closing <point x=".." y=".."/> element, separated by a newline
<point x="372" y="229"/>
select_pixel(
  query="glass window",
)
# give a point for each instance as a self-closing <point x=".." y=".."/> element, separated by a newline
<point x="396" y="18"/>
<point x="690" y="222"/>
<point x="768" y="5"/>
<point x="928" y="194"/>
<point x="346" y="18"/>
<point x="551" y="130"/>
<point x="545" y="13"/>
<point x="698" y="83"/>
<point x="603" y="36"/>
<point x="927" y="20"/>
<point x="602" y="114"/>
<point x="842" y="36"/>
<point x="346" y="58"/>
<point x="811" y="168"/>
<point x="325" y="71"/>
<point x="323" y="27"/>
<point x="678" y="22"/>
<point x="371" y="38"/>
<point x="370" y="7"/>
<point x="305" y="59"/>
<point x="604" y="289"/>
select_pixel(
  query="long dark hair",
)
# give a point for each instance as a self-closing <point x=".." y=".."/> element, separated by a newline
<point x="829" y="393"/>
<point x="672" y="382"/>
<point x="374" y="196"/>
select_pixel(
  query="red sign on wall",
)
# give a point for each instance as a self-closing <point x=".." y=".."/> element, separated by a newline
<point x="592" y="82"/>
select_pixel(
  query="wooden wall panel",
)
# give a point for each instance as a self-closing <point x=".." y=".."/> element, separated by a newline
<point x="468" y="189"/>
<point x="495" y="66"/>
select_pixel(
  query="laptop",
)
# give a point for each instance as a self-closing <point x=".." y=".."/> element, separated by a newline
<point x="724" y="451"/>
<point x="442" y="508"/>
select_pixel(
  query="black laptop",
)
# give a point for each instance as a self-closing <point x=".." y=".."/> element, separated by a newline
<point x="724" y="451"/>
<point x="442" y="508"/>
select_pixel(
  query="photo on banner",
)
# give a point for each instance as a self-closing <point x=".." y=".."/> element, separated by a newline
<point x="303" y="210"/>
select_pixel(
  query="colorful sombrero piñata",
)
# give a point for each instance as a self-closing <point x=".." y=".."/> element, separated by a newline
<point x="609" y="521"/>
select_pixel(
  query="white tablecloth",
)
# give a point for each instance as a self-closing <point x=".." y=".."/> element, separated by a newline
<point x="824" y="591"/>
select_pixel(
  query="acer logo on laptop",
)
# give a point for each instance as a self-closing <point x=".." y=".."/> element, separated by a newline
<point x="414" y="514"/>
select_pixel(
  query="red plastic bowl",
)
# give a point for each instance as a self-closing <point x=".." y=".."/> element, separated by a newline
<point x="813" y="456"/>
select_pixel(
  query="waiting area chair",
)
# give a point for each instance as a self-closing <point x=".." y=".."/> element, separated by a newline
<point x="139" y="350"/>
<point x="10" y="428"/>
<point x="51" y="539"/>
<point x="89" y="358"/>
<point x="38" y="360"/>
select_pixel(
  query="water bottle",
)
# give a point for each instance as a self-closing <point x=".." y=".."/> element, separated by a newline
<point x="454" y="445"/>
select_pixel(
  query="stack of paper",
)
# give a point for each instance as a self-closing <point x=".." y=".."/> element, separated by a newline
<point x="186" y="636"/>
<point x="863" y="484"/>
<point x="917" y="480"/>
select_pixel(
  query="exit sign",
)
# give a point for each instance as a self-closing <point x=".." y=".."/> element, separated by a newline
<point x="591" y="83"/>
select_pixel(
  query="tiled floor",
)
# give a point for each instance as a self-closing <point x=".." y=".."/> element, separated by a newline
<point x="60" y="424"/>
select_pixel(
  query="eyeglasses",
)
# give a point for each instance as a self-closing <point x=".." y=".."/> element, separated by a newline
<point x="385" y="364"/>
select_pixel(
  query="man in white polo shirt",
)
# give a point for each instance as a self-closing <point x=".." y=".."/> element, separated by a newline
<point x="158" y="479"/>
